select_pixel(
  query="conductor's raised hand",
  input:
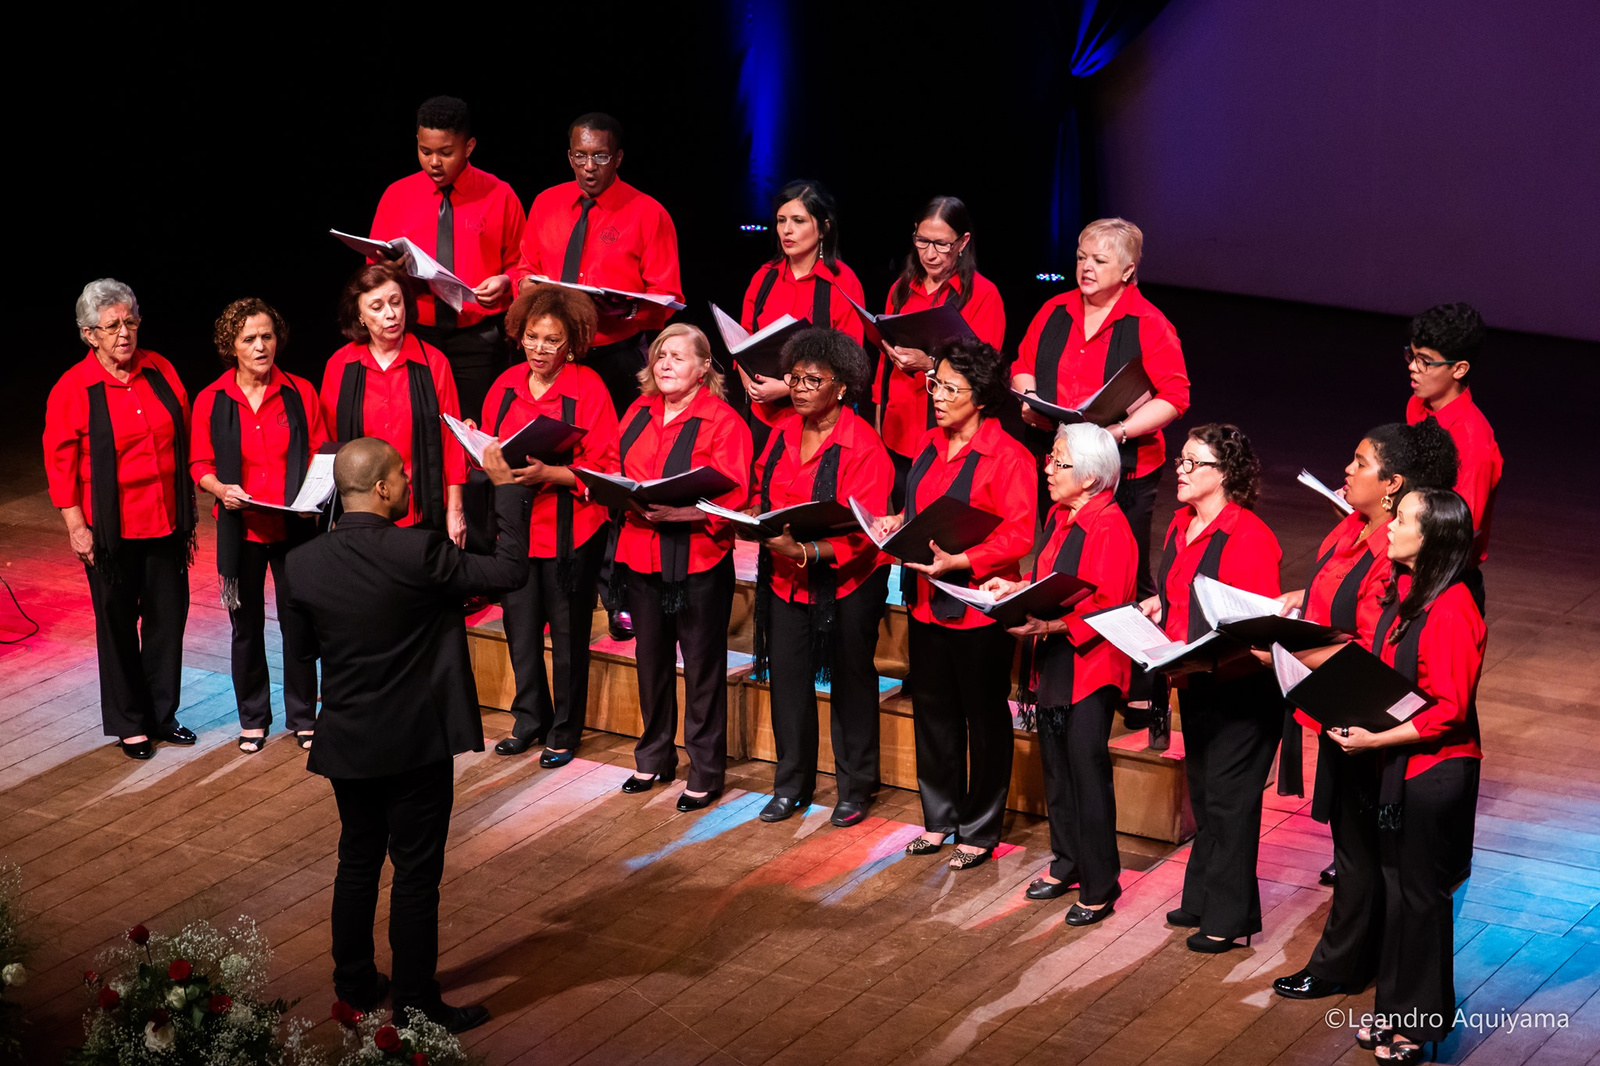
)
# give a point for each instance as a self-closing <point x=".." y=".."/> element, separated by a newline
<point x="495" y="465"/>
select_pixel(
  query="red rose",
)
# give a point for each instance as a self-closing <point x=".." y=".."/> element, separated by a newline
<point x="160" y="1017"/>
<point x="179" y="970"/>
<point x="388" y="1039"/>
<point x="109" y="999"/>
<point x="220" y="1003"/>
<point x="139" y="935"/>
<point x="345" y="1014"/>
<point x="419" y="1059"/>
<point x="91" y="978"/>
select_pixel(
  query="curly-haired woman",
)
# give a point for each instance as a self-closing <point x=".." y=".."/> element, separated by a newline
<point x="1231" y="717"/>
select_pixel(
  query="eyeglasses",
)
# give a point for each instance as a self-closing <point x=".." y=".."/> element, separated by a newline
<point x="943" y="389"/>
<point x="132" y="325"/>
<point x="583" y="159"/>
<point x="924" y="243"/>
<point x="1186" y="465"/>
<point x="806" y="382"/>
<point x="543" y="345"/>
<point x="1415" y="358"/>
<point x="1057" y="463"/>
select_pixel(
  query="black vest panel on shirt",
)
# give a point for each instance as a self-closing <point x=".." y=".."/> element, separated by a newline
<point x="1055" y="660"/>
<point x="945" y="607"/>
<point x="1210" y="563"/>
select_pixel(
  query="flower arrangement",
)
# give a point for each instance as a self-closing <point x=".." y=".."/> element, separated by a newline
<point x="190" y="998"/>
<point x="375" y="1039"/>
<point x="13" y="972"/>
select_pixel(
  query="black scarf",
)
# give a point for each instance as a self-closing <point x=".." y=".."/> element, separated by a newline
<point x="1122" y="349"/>
<point x="1342" y="613"/>
<point x="566" y="570"/>
<point x="230" y="470"/>
<point x="945" y="607"/>
<point x="427" y="450"/>
<point x="1049" y="662"/>
<point x="104" y="497"/>
<point x="822" y="581"/>
<point x="1394" y="761"/>
<point x="674" y="535"/>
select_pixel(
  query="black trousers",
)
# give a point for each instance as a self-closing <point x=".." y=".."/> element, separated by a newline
<point x="407" y="817"/>
<point x="138" y="635"/>
<point x="1078" y="796"/>
<point x="853" y="692"/>
<point x="555" y="712"/>
<point x="1347" y="954"/>
<point x="1230" y="732"/>
<point x="701" y="629"/>
<point x="618" y="365"/>
<point x="478" y="354"/>
<point x="1423" y="861"/>
<point x="251" y="684"/>
<point x="960" y="685"/>
<point x="1137" y="498"/>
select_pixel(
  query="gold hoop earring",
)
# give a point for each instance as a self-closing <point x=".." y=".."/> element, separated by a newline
<point x="1388" y="503"/>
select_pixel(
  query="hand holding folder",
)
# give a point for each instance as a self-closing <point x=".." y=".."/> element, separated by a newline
<point x="1127" y="391"/>
<point x="1352" y="687"/>
<point x="680" y="490"/>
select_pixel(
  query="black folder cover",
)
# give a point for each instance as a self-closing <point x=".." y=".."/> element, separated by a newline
<point x="949" y="523"/>
<point x="677" y="491"/>
<point x="1354" y="687"/>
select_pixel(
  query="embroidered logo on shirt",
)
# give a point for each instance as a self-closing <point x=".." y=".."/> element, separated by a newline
<point x="609" y="235"/>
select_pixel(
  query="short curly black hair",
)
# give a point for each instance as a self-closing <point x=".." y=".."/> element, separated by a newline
<point x="833" y="351"/>
<point x="1424" y="455"/>
<point x="445" y="113"/>
<point x="231" y="322"/>
<point x="1236" y="460"/>
<point x="982" y="366"/>
<point x="1455" y="331"/>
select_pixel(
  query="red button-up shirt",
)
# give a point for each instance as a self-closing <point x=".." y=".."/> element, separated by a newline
<point x="905" y="415"/>
<point x="1249" y="560"/>
<point x="1449" y="663"/>
<point x="386" y="411"/>
<point x="595" y="450"/>
<point x="1478" y="475"/>
<point x="488" y="223"/>
<point x="1347" y="552"/>
<point x="1082" y="368"/>
<point x="796" y="297"/>
<point x="630" y="245"/>
<point x="1005" y="483"/>
<point x="145" y="437"/>
<point x="1110" y="559"/>
<point x="263" y="444"/>
<point x="723" y="443"/>
<point x="864" y="473"/>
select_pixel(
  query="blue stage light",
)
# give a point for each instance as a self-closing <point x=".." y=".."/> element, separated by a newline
<point x="753" y="227"/>
<point x="1050" y="277"/>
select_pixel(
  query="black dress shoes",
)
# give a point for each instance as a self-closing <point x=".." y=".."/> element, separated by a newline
<point x="1078" y="914"/>
<point x="847" y="814"/>
<point x="687" y="802"/>
<point x="1181" y="917"/>
<point x="621" y="625"/>
<point x="778" y="808"/>
<point x="455" y="1019"/>
<point x="1329" y="875"/>
<point x="635" y="784"/>
<point x="1206" y="945"/>
<point x="368" y="999"/>
<point x="1306" y="985"/>
<point x="142" y="749"/>
<point x="1042" y="889"/>
<point x="552" y="759"/>
<point x="515" y="745"/>
<point x="178" y="735"/>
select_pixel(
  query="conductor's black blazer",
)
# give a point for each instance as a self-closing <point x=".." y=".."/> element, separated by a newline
<point x="384" y="603"/>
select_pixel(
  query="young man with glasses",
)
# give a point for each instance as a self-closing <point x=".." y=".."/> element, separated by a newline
<point x="1444" y="343"/>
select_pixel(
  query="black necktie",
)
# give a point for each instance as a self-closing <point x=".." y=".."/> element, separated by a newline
<point x="569" y="264"/>
<point x="444" y="316"/>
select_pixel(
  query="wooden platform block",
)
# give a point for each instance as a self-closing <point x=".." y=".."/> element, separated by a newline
<point x="759" y="743"/>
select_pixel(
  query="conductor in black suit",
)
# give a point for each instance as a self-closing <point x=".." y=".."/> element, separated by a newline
<point x="398" y="701"/>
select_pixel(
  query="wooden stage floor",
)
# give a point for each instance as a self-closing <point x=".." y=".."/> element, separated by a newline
<point x="601" y="928"/>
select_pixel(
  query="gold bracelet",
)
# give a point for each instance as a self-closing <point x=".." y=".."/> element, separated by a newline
<point x="803" y="559"/>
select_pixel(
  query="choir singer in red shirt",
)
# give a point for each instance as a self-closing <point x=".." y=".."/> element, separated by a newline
<point x="1077" y="676"/>
<point x="116" y="452"/>
<point x="388" y="383"/>
<point x="960" y="675"/>
<point x="255" y="431"/>
<point x="818" y="602"/>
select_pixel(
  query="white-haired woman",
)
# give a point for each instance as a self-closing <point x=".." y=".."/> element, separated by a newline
<point x="116" y="452"/>
<point x="1085" y="335"/>
<point x="1076" y="676"/>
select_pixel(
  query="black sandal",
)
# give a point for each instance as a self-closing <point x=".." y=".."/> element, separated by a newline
<point x="1375" y="1035"/>
<point x="304" y="740"/>
<point x="1401" y="1050"/>
<point x="259" y="742"/>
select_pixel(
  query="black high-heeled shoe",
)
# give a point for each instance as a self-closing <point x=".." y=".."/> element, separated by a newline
<point x="635" y="784"/>
<point x="1402" y="1051"/>
<point x="1206" y="945"/>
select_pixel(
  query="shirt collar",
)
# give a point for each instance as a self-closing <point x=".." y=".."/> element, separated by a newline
<point x="610" y="200"/>
<point x="230" y="385"/>
<point x="1452" y="413"/>
<point x="98" y="372"/>
<point x="410" y="350"/>
<point x="365" y="519"/>
<point x="1091" y="509"/>
<point x="953" y="281"/>
<point x="1225" y="521"/>
<point x="985" y="442"/>
<point x="561" y="386"/>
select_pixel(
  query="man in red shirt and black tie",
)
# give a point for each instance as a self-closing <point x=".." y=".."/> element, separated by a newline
<point x="599" y="230"/>
<point x="472" y="223"/>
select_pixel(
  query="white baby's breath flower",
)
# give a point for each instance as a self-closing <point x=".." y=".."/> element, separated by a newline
<point x="14" y="975"/>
